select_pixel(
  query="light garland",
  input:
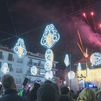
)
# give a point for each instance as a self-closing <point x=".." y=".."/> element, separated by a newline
<point x="66" y="60"/>
<point x="71" y="75"/>
<point x="79" y="67"/>
<point x="5" y="68"/>
<point x="49" y="75"/>
<point x="49" y="55"/>
<point x="48" y="66"/>
<point x="34" y="70"/>
<point x="50" y="36"/>
<point x="95" y="58"/>
<point x="20" y="48"/>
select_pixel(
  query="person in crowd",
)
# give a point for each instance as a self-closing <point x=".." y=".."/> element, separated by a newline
<point x="63" y="98"/>
<point x="65" y="91"/>
<point x="10" y="91"/>
<point x="98" y="95"/>
<point x="87" y="95"/>
<point x="32" y="96"/>
<point x="47" y="92"/>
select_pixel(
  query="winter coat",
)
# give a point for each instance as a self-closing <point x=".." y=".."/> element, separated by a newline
<point x="11" y="95"/>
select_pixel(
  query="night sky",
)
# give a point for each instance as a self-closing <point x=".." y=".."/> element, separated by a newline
<point x="27" y="19"/>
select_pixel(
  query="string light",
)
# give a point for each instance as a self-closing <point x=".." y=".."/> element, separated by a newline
<point x="49" y="55"/>
<point x="34" y="70"/>
<point x="20" y="48"/>
<point x="48" y="65"/>
<point x="49" y="75"/>
<point x="50" y="36"/>
<point x="79" y="66"/>
<point x="71" y="75"/>
<point x="5" y="68"/>
<point x="66" y="60"/>
<point x="95" y="58"/>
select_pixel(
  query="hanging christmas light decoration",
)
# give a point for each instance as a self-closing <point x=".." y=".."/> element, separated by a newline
<point x="71" y="75"/>
<point x="66" y="60"/>
<point x="48" y="66"/>
<point x="49" y="55"/>
<point x="20" y="48"/>
<point x="5" y="68"/>
<point x="34" y="70"/>
<point x="48" y="40"/>
<point x="95" y="59"/>
<point x="50" y="36"/>
<point x="49" y="75"/>
<point x="79" y="66"/>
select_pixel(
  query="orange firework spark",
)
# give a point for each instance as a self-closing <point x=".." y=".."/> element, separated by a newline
<point x="80" y="45"/>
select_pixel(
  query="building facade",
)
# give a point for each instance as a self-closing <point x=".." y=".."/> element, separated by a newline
<point x="20" y="67"/>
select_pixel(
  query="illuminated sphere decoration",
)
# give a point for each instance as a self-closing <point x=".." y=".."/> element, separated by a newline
<point x="48" y="66"/>
<point x="5" y="68"/>
<point x="20" y="48"/>
<point x="34" y="70"/>
<point x="66" y="60"/>
<point x="50" y="36"/>
<point x="95" y="59"/>
<point x="49" y="75"/>
<point x="71" y="75"/>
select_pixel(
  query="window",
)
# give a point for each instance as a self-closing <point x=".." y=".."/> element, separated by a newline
<point x="10" y="57"/>
<point x="1" y="55"/>
<point x="18" y="70"/>
<point x="10" y="67"/>
<point x="30" y="63"/>
<point x="20" y="61"/>
<point x="0" y="64"/>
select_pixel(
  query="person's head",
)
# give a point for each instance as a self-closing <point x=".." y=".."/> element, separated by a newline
<point x="64" y="90"/>
<point x="86" y="95"/>
<point x="47" y="92"/>
<point x="8" y="82"/>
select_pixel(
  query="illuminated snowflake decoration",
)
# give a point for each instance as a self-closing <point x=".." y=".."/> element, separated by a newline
<point x="49" y="56"/>
<point x="66" y="60"/>
<point x="5" y="68"/>
<point x="79" y="66"/>
<point x="20" y="48"/>
<point x="71" y="75"/>
<point x="50" y="36"/>
<point x="49" y="75"/>
<point x="48" y="66"/>
<point x="34" y="70"/>
<point x="95" y="58"/>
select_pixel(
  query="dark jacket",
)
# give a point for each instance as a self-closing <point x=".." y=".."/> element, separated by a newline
<point x="11" y="95"/>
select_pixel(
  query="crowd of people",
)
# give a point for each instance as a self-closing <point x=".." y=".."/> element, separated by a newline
<point x="48" y="91"/>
